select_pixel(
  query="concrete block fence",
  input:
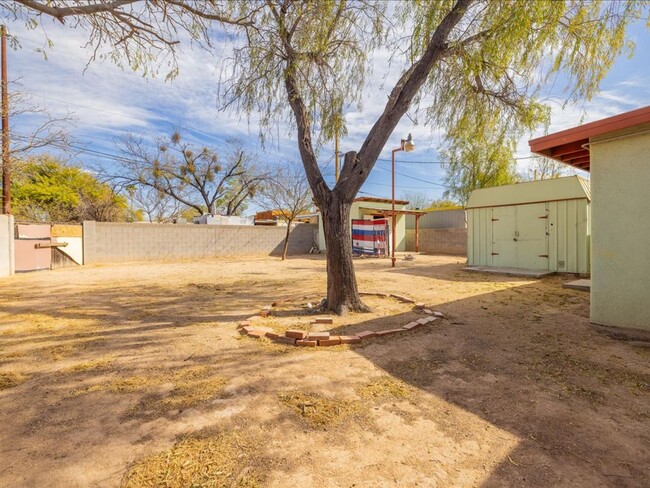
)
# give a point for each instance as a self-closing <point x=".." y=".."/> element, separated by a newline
<point x="439" y="241"/>
<point x="108" y="242"/>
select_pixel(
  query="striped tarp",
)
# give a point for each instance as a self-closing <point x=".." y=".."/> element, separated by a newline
<point x="369" y="237"/>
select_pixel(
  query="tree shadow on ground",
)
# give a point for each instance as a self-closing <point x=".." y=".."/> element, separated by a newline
<point x="576" y="400"/>
<point x="523" y="359"/>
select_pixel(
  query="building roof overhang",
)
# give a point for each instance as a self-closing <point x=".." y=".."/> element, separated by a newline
<point x="380" y="200"/>
<point x="571" y="146"/>
<point x="389" y="212"/>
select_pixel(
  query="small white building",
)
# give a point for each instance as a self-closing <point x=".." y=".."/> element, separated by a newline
<point x="539" y="225"/>
<point x="371" y="208"/>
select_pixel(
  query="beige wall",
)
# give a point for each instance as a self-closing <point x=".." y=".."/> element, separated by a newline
<point x="119" y="242"/>
<point x="6" y="245"/>
<point x="620" y="267"/>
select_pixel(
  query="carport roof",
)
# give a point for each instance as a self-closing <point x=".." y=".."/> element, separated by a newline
<point x="571" y="146"/>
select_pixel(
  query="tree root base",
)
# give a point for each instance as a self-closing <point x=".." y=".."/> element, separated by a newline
<point x="345" y="307"/>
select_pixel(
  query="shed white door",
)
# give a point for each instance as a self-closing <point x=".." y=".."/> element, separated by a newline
<point x="520" y="236"/>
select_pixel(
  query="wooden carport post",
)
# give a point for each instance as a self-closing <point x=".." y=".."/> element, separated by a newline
<point x="417" y="232"/>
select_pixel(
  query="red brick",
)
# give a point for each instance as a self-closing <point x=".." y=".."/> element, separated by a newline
<point x="323" y="320"/>
<point x="353" y="339"/>
<point x="296" y="334"/>
<point x="318" y="335"/>
<point x="243" y="324"/>
<point x="411" y="326"/>
<point x="382" y="333"/>
<point x="286" y="340"/>
<point x="306" y="343"/>
<point x="366" y="334"/>
<point x="402" y="298"/>
<point x="420" y="305"/>
<point x="272" y="335"/>
<point x="332" y="341"/>
<point x="256" y="333"/>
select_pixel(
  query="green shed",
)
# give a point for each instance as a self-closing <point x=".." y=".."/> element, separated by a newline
<point x="537" y="225"/>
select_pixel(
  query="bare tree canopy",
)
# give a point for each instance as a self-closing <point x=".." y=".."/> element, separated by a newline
<point x="542" y="168"/>
<point x="152" y="205"/>
<point x="473" y="68"/>
<point x="201" y="178"/>
<point x="287" y="193"/>
<point x="47" y="131"/>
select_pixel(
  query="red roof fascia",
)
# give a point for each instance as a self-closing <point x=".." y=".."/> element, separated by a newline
<point x="567" y="146"/>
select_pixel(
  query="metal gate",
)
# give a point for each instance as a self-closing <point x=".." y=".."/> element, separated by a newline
<point x="369" y="237"/>
<point x="32" y="247"/>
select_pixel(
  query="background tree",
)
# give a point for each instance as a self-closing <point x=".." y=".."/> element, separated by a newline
<point x="420" y="201"/>
<point x="417" y="200"/>
<point x="47" y="189"/>
<point x="545" y="169"/>
<point x="473" y="68"/>
<point x="199" y="178"/>
<point x="471" y="165"/>
<point x="288" y="193"/>
<point x="442" y="204"/>
<point x="154" y="205"/>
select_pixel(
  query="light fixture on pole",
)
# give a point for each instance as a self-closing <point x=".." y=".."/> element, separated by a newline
<point x="406" y="145"/>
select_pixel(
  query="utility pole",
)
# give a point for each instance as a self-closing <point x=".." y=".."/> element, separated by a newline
<point x="6" y="170"/>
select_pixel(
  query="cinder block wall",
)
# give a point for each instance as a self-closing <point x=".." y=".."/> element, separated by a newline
<point x="6" y="245"/>
<point x="439" y="241"/>
<point x="106" y="242"/>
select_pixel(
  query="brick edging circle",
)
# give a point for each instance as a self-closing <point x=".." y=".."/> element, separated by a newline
<point x="324" y="338"/>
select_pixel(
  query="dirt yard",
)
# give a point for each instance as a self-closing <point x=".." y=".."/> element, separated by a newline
<point x="136" y="375"/>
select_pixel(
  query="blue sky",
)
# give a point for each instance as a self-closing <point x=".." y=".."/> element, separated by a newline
<point x="108" y="102"/>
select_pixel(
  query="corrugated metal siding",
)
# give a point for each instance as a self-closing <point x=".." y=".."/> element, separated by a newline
<point x="569" y="236"/>
<point x="439" y="219"/>
<point x="479" y="237"/>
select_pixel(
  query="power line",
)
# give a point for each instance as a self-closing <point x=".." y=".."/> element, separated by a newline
<point x="436" y="162"/>
<point x="413" y="177"/>
<point x="405" y="187"/>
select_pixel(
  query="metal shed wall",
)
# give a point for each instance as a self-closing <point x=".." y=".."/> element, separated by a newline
<point x="568" y="226"/>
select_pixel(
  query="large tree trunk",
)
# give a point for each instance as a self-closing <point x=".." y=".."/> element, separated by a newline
<point x="342" y="292"/>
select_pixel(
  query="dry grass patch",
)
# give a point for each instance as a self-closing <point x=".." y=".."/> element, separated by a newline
<point x="319" y="411"/>
<point x="99" y="364"/>
<point x="384" y="387"/>
<point x="191" y="386"/>
<point x="9" y="380"/>
<point x="219" y="460"/>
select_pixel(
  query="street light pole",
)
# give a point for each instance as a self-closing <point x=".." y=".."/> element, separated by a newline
<point x="408" y="146"/>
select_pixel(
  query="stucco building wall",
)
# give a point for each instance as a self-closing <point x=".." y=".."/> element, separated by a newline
<point x="620" y="268"/>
